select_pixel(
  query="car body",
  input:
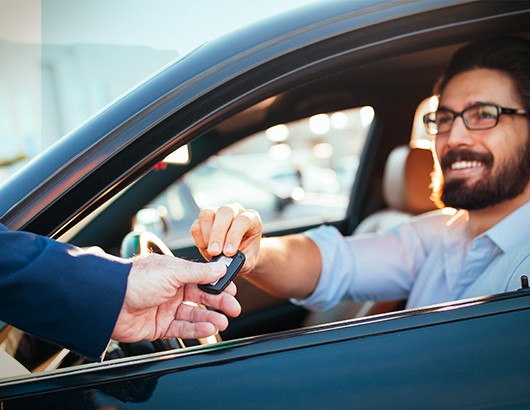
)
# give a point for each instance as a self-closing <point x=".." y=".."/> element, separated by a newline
<point x="326" y="57"/>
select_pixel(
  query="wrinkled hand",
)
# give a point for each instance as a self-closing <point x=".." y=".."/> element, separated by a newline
<point x="157" y="289"/>
<point x="227" y="229"/>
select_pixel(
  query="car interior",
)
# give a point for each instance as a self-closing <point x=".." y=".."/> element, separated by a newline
<point x="391" y="182"/>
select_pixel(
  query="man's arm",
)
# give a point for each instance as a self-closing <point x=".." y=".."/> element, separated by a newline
<point x="287" y="267"/>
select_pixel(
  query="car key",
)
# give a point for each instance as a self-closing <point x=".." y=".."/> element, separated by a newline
<point x="233" y="266"/>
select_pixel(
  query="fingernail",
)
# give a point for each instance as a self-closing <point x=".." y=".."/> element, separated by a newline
<point x="214" y="247"/>
<point x="229" y="248"/>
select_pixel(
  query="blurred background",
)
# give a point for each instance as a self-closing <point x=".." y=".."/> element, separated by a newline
<point x="64" y="60"/>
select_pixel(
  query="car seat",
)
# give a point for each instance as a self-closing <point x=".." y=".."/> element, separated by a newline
<point x="406" y="189"/>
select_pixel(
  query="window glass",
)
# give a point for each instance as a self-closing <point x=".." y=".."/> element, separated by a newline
<point x="293" y="174"/>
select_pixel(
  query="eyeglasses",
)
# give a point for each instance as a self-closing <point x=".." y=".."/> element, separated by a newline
<point x="476" y="117"/>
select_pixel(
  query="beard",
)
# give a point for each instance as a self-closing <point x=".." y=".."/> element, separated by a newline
<point x="509" y="182"/>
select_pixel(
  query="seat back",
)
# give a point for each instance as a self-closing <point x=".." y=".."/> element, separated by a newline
<point x="406" y="189"/>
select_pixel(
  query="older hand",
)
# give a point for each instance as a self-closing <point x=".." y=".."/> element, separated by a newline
<point x="227" y="229"/>
<point x="155" y="305"/>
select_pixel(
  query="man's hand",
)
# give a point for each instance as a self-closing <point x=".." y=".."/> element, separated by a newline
<point x="227" y="229"/>
<point x="155" y="305"/>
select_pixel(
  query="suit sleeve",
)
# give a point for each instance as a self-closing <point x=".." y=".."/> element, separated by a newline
<point x="60" y="293"/>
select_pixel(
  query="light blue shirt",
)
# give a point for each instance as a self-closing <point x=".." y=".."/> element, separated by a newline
<point x="431" y="259"/>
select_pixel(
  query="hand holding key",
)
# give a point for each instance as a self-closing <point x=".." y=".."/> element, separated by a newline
<point x="227" y="229"/>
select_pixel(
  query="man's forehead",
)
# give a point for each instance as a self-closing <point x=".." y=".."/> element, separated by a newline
<point x="479" y="85"/>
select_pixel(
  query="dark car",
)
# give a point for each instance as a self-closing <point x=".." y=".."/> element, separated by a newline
<point x="330" y="57"/>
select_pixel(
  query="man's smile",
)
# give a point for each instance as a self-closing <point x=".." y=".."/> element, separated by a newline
<point x="458" y="165"/>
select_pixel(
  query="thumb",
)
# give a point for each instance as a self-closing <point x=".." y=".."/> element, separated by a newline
<point x="197" y="272"/>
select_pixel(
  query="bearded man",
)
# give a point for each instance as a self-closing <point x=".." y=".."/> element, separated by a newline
<point x="478" y="244"/>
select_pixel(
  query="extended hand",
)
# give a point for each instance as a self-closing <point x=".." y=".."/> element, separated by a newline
<point x="155" y="305"/>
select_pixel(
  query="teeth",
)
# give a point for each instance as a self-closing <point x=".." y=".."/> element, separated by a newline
<point x="466" y="164"/>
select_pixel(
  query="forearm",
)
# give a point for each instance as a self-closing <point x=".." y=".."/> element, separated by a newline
<point x="287" y="266"/>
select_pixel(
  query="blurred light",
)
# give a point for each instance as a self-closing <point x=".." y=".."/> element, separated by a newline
<point x="297" y="193"/>
<point x="421" y="143"/>
<point x="181" y="156"/>
<point x="433" y="103"/>
<point x="278" y="133"/>
<point x="319" y="124"/>
<point x="339" y="120"/>
<point x="280" y="151"/>
<point x="367" y="115"/>
<point x="323" y="150"/>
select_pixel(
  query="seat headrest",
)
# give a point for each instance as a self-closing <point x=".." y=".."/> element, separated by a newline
<point x="407" y="179"/>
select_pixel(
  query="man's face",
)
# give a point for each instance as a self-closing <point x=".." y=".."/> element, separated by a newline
<point x="482" y="168"/>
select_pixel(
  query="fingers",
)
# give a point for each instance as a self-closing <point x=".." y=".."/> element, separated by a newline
<point x="186" y="272"/>
<point x="211" y="228"/>
<point x="187" y="330"/>
<point x="221" y="225"/>
<point x="225" y="301"/>
<point x="225" y="230"/>
<point x="200" y="229"/>
<point x="193" y="322"/>
<point x="246" y="226"/>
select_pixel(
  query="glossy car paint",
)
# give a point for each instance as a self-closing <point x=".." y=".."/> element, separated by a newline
<point x="413" y="360"/>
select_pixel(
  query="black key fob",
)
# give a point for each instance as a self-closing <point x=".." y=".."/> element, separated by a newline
<point x="233" y="266"/>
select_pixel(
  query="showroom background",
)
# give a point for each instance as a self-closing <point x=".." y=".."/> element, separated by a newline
<point x="64" y="60"/>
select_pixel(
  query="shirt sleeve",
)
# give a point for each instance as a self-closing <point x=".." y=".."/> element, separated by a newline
<point x="365" y="267"/>
<point x="59" y="292"/>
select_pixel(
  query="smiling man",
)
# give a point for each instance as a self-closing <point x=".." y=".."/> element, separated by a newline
<point x="478" y="246"/>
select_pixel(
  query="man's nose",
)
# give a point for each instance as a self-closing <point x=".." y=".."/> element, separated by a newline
<point x="459" y="134"/>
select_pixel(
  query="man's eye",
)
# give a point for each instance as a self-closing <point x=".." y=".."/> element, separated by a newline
<point x="486" y="113"/>
<point x="444" y="119"/>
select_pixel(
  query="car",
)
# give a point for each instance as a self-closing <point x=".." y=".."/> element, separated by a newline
<point x="380" y="58"/>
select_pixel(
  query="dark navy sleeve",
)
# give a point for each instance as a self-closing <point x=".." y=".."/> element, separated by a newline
<point x="60" y="293"/>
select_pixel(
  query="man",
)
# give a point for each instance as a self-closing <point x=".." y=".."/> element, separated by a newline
<point x="482" y="246"/>
<point x="80" y="300"/>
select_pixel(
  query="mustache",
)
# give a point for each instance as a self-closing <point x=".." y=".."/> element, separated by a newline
<point x="466" y="155"/>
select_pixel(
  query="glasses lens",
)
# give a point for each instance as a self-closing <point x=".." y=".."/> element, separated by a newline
<point x="444" y="121"/>
<point x="481" y="117"/>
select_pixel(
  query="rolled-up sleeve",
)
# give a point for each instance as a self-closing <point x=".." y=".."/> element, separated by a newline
<point x="364" y="267"/>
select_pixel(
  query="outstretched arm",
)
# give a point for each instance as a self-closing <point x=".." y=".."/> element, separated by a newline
<point x="284" y="266"/>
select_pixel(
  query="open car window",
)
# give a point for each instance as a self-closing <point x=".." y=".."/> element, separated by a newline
<point x="295" y="174"/>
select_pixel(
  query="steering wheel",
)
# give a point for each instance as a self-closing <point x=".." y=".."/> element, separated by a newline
<point x="141" y="243"/>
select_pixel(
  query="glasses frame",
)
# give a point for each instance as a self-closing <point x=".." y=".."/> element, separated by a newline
<point x="430" y="118"/>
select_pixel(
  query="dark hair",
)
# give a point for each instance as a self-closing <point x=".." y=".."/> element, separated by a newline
<point x="508" y="54"/>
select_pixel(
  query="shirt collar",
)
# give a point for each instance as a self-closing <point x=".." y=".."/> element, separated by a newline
<point x="512" y="230"/>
